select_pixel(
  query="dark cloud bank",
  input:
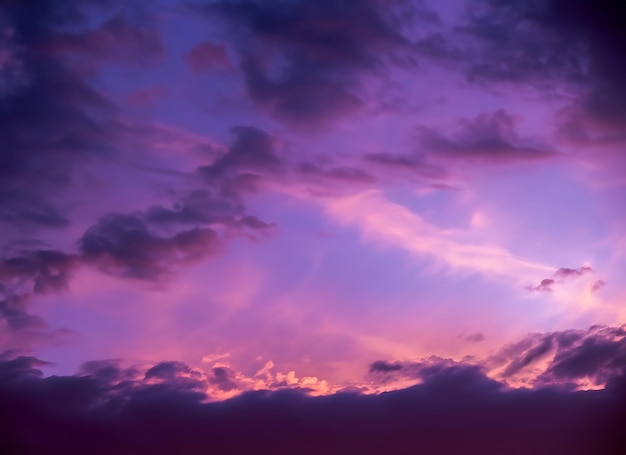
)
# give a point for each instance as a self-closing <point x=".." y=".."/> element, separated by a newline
<point x="456" y="409"/>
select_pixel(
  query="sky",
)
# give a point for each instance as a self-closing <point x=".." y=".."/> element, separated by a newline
<point x="402" y="219"/>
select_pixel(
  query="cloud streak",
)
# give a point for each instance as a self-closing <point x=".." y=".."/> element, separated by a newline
<point x="392" y="224"/>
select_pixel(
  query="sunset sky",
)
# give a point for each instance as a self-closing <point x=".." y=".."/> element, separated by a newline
<point x="312" y="198"/>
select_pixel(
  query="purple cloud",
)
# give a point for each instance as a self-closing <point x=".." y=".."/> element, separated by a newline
<point x="565" y="272"/>
<point x="125" y="245"/>
<point x="54" y="120"/>
<point x="324" y="48"/>
<point x="107" y="409"/>
<point x="545" y="285"/>
<point x="487" y="138"/>
<point x="561" y="274"/>
<point x="553" y="44"/>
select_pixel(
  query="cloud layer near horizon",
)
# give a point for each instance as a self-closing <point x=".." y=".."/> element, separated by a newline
<point x="106" y="408"/>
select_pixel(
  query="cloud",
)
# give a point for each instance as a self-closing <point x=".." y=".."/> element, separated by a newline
<point x="196" y="207"/>
<point x="571" y="358"/>
<point x="344" y="173"/>
<point x="207" y="56"/>
<point x="561" y="275"/>
<point x="391" y="224"/>
<point x="222" y="380"/>
<point x="150" y="245"/>
<point x="45" y="271"/>
<point x="52" y="120"/>
<point x="513" y="43"/>
<point x="252" y="152"/>
<point x="415" y="164"/>
<point x="487" y="138"/>
<point x="106" y="409"/>
<point x="20" y="330"/>
<point x="565" y="272"/>
<point x="384" y="367"/>
<point x="24" y="274"/>
<point x="545" y="285"/>
<point x="553" y="45"/>
<point x="304" y="62"/>
<point x="125" y="245"/>
<point x="529" y="356"/>
<point x="117" y="40"/>
<point x="14" y="314"/>
<point x="598" y="356"/>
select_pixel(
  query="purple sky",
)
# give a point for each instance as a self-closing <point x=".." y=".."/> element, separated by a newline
<point x="359" y="201"/>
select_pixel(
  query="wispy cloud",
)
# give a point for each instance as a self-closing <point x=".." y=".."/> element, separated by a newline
<point x="392" y="224"/>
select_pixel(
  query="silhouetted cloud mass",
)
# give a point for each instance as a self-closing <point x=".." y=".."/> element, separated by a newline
<point x="103" y="410"/>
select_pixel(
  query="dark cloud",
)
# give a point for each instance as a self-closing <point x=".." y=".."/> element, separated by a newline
<point x="598" y="355"/>
<point x="595" y="356"/>
<point x="455" y="410"/>
<point x="177" y="374"/>
<point x="108" y="372"/>
<point x="531" y="355"/>
<point x="562" y="274"/>
<point x="52" y="120"/>
<point x="568" y="359"/>
<point x="127" y="246"/>
<point x="197" y="207"/>
<point x="167" y="370"/>
<point x="545" y="286"/>
<point x="25" y="207"/>
<point x="556" y="43"/>
<point x="381" y="366"/>
<point x="43" y="271"/>
<point x="565" y="272"/>
<point x="24" y="274"/>
<point x="251" y="158"/>
<point x="222" y="380"/>
<point x="20" y="330"/>
<point x="340" y="174"/>
<point x="487" y="138"/>
<point x="13" y="312"/>
<point x="414" y="164"/>
<point x="514" y="44"/>
<point x="252" y="151"/>
<point x="150" y="245"/>
<point x="599" y="26"/>
<point x="304" y="61"/>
